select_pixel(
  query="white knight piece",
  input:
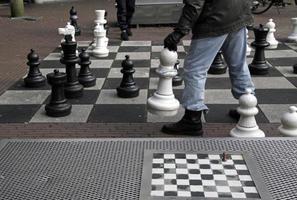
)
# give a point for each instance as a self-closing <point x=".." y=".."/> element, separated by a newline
<point x="68" y="30"/>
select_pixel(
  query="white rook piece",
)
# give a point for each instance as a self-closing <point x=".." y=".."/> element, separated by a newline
<point x="270" y="36"/>
<point x="247" y="125"/>
<point x="289" y="123"/>
<point x="163" y="99"/>
<point x="293" y="35"/>
<point x="101" y="41"/>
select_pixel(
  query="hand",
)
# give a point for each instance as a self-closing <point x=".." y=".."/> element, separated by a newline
<point x="172" y="40"/>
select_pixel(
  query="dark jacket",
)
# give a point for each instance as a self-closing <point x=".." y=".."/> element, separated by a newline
<point x="208" y="18"/>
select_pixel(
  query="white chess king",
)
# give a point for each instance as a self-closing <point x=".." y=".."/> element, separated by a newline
<point x="164" y="99"/>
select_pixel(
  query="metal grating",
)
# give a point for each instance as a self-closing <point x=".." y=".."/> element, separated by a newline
<point x="111" y="169"/>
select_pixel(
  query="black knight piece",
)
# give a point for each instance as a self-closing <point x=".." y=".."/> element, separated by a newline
<point x="34" y="77"/>
<point x="85" y="76"/>
<point x="73" y="89"/>
<point x="128" y="87"/>
<point x="259" y="65"/>
<point x="218" y="66"/>
<point x="177" y="80"/>
<point x="58" y="105"/>
<point x="73" y="20"/>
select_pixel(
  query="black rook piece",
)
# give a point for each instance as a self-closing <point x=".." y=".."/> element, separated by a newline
<point x="128" y="87"/>
<point x="85" y="76"/>
<point x="218" y="66"/>
<point x="58" y="105"/>
<point x="34" y="77"/>
<point x="73" y="20"/>
<point x="73" y="89"/>
<point x="259" y="65"/>
<point x="177" y="80"/>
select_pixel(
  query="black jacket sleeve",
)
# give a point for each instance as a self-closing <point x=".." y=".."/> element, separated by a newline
<point x="191" y="11"/>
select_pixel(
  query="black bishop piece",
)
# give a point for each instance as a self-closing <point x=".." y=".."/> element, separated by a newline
<point x="259" y="65"/>
<point x="85" y="76"/>
<point x="218" y="66"/>
<point x="34" y="77"/>
<point x="73" y="20"/>
<point x="58" y="105"/>
<point x="128" y="87"/>
<point x="177" y="79"/>
<point x="73" y="89"/>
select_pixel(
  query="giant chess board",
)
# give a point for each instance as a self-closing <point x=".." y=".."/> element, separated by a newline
<point x="100" y="104"/>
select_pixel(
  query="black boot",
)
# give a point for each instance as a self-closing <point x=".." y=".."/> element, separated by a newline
<point x="124" y="35"/>
<point x="234" y="114"/>
<point x="190" y="124"/>
<point x="129" y="32"/>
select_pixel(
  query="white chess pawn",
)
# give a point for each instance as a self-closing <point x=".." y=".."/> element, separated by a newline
<point x="247" y="125"/>
<point x="248" y="48"/>
<point x="270" y="36"/>
<point x="293" y="35"/>
<point x="100" y="49"/>
<point x="289" y="123"/>
<point x="164" y="99"/>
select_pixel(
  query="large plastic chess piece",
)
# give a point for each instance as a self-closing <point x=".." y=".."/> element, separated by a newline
<point x="248" y="48"/>
<point x="34" y="77"/>
<point x="73" y="19"/>
<point x="164" y="99"/>
<point x="270" y="36"/>
<point x="247" y="125"/>
<point x="289" y="123"/>
<point x="218" y="66"/>
<point x="128" y="87"/>
<point x="293" y="35"/>
<point x="101" y="41"/>
<point x="73" y="89"/>
<point x="85" y="76"/>
<point x="259" y="65"/>
<point x="58" y="105"/>
<point x="295" y="68"/>
<point x="67" y="30"/>
<point x="177" y="80"/>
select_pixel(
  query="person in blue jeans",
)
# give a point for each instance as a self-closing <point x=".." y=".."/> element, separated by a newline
<point x="215" y="25"/>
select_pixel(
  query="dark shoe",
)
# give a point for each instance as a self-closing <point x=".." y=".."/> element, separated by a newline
<point x="129" y="32"/>
<point x="190" y="124"/>
<point x="124" y="35"/>
<point x="234" y="114"/>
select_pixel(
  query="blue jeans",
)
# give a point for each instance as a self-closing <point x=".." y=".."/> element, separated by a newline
<point x="200" y="57"/>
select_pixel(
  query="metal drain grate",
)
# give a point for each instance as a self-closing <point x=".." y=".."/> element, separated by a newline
<point x="111" y="169"/>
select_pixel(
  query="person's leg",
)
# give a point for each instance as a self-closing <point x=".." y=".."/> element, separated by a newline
<point x="234" y="51"/>
<point x="122" y="18"/>
<point x="197" y="63"/>
<point x="130" y="12"/>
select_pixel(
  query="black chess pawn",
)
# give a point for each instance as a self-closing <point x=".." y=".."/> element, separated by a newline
<point x="58" y="105"/>
<point x="73" y="20"/>
<point x="34" y="77"/>
<point x="218" y="66"/>
<point x="85" y="76"/>
<point x="73" y="89"/>
<point x="177" y="80"/>
<point x="128" y="87"/>
<point x="259" y="65"/>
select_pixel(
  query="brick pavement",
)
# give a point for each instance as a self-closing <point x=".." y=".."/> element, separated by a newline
<point x="18" y="36"/>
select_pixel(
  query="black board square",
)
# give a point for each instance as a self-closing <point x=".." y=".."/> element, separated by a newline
<point x="20" y="85"/>
<point x="136" y="63"/>
<point x="118" y="113"/>
<point x="100" y="72"/>
<point x="276" y="96"/>
<point x="113" y="83"/>
<point x="282" y="61"/>
<point x="134" y="49"/>
<point x="17" y="113"/>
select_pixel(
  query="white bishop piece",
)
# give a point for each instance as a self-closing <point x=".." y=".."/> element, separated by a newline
<point x="289" y="123"/>
<point x="68" y="30"/>
<point x="247" y="125"/>
<point x="270" y="36"/>
<point x="163" y="99"/>
<point x="293" y="35"/>
<point x="101" y="41"/>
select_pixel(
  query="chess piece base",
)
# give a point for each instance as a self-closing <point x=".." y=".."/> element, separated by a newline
<point x="259" y="69"/>
<point x="177" y="81"/>
<point x="129" y="92"/>
<point x="73" y="91"/>
<point x="60" y="110"/>
<point x="288" y="133"/>
<point x="163" y="102"/>
<point x="217" y="70"/>
<point x="34" y="81"/>
<point x="100" y="53"/>
<point x="246" y="132"/>
<point x="88" y="81"/>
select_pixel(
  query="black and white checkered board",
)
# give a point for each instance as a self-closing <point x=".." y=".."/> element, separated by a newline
<point x="275" y="92"/>
<point x="180" y="175"/>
